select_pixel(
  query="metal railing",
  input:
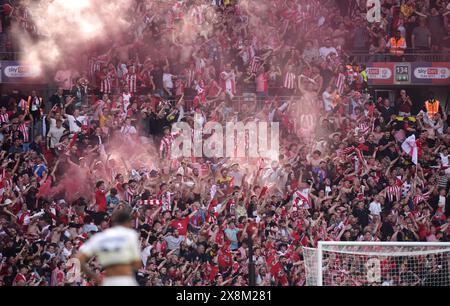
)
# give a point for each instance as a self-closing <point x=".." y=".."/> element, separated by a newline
<point x="237" y="101"/>
<point x="358" y="57"/>
<point x="10" y="56"/>
<point x="364" y="57"/>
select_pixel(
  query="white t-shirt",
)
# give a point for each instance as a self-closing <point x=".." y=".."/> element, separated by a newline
<point x="238" y="176"/>
<point x="324" y="51"/>
<point x="55" y="135"/>
<point x="114" y="246"/>
<point x="327" y="101"/>
<point x="375" y="208"/>
<point x="128" y="130"/>
<point x="73" y="127"/>
<point x="444" y="159"/>
<point x="441" y="203"/>
<point x="145" y="254"/>
<point x="52" y="122"/>
<point x="126" y="99"/>
<point x="167" y="80"/>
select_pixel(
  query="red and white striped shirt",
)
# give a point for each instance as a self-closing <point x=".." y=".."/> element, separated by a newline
<point x="23" y="105"/>
<point x="129" y="194"/>
<point x="106" y="85"/>
<point x="256" y="63"/>
<point x="190" y="77"/>
<point x="4" y="118"/>
<point x="364" y="127"/>
<point x="95" y="66"/>
<point x="197" y="14"/>
<point x="131" y="81"/>
<point x="289" y="80"/>
<point x="166" y="144"/>
<point x="393" y="191"/>
<point x="340" y="83"/>
<point x="292" y="14"/>
<point x="228" y="82"/>
<point x="25" y="18"/>
<point x="24" y="129"/>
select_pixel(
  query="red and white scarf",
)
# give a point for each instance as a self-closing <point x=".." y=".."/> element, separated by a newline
<point x="153" y="202"/>
<point x="418" y="198"/>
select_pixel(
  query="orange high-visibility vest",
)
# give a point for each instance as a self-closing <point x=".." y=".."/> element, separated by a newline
<point x="432" y="108"/>
<point x="397" y="46"/>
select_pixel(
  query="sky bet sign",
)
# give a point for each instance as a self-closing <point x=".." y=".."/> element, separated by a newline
<point x="414" y="73"/>
<point x="18" y="72"/>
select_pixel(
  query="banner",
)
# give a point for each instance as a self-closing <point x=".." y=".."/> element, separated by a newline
<point x="409" y="73"/>
<point x="18" y="72"/>
<point x="431" y="73"/>
<point x="380" y="73"/>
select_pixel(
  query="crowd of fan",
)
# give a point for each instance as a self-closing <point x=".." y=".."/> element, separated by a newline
<point x="341" y="176"/>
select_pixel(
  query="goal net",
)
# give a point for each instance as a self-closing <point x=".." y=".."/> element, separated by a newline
<point x="336" y="263"/>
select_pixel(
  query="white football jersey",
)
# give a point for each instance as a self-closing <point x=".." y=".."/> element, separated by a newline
<point x="117" y="245"/>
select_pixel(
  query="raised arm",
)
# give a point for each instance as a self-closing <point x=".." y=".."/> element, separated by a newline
<point x="420" y="14"/>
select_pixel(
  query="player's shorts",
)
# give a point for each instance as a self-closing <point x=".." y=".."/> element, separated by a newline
<point x="119" y="281"/>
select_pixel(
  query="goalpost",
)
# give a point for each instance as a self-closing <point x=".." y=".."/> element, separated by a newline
<point x="339" y="263"/>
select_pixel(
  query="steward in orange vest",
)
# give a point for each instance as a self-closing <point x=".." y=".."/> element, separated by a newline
<point x="432" y="106"/>
<point x="397" y="45"/>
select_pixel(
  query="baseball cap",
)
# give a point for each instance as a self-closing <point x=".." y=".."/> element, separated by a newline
<point x="7" y="201"/>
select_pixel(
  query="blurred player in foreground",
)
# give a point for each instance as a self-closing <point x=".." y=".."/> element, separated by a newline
<point x="117" y="250"/>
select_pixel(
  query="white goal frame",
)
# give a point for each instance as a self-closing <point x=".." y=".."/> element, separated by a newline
<point x="442" y="247"/>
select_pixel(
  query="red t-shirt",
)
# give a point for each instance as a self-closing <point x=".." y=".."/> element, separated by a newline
<point x="276" y="268"/>
<point x="262" y="83"/>
<point x="283" y="280"/>
<point x="225" y="260"/>
<point x="213" y="273"/>
<point x="63" y="219"/>
<point x="212" y="89"/>
<point x="100" y="200"/>
<point x="252" y="228"/>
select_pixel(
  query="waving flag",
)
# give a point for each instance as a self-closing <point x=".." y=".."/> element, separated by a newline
<point x="410" y="147"/>
<point x="301" y="199"/>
